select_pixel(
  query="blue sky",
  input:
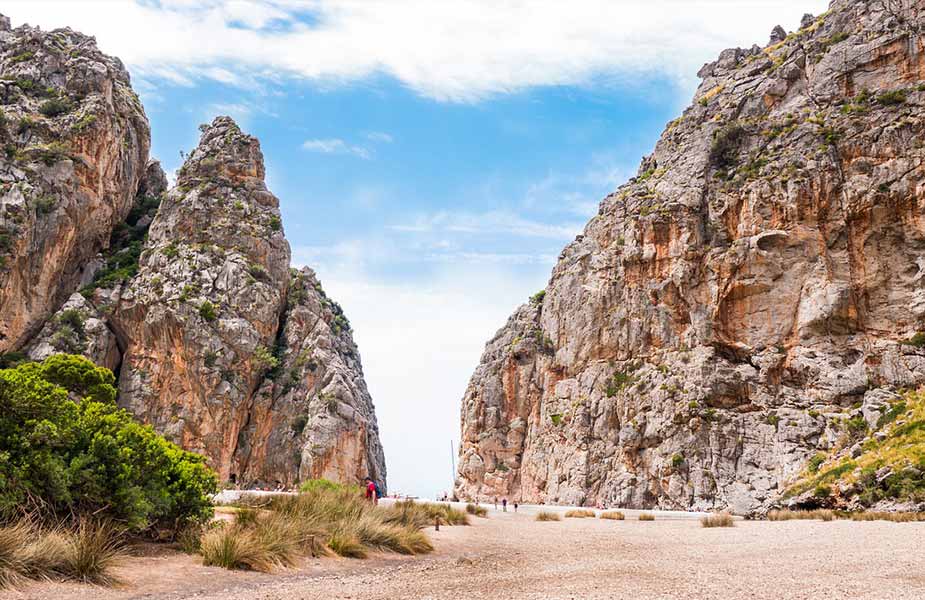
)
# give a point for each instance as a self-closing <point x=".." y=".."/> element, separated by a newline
<point x="431" y="158"/>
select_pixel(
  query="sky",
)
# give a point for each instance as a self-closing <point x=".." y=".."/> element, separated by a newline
<point x="432" y="158"/>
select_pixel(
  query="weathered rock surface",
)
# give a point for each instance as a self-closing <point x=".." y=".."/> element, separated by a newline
<point x="187" y="293"/>
<point x="736" y="303"/>
<point x="75" y="141"/>
<point x="219" y="334"/>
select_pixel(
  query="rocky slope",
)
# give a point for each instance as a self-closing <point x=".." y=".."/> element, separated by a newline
<point x="748" y="301"/>
<point x="187" y="294"/>
<point x="75" y="141"/>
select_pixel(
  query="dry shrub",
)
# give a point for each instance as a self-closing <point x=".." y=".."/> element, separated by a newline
<point x="85" y="552"/>
<point x="234" y="547"/>
<point x="475" y="509"/>
<point x="646" y="517"/>
<point x="722" y="519"/>
<point x="424" y="514"/>
<point x="907" y="517"/>
<point x="801" y="515"/>
<point x="545" y="515"/>
<point x="580" y="514"/>
<point x="613" y="515"/>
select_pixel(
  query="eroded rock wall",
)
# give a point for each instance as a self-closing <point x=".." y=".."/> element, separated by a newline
<point x="735" y="304"/>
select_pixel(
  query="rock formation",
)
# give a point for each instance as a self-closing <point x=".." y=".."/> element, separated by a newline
<point x="755" y="289"/>
<point x="187" y="294"/>
<point x="75" y="141"/>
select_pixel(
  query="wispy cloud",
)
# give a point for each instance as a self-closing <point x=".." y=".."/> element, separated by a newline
<point x="380" y="137"/>
<point x="336" y="146"/>
<point x="494" y="222"/>
<point x="419" y="43"/>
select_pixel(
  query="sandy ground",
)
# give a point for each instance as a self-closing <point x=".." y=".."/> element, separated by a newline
<point x="508" y="556"/>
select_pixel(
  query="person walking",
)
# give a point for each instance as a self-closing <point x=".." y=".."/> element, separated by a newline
<point x="515" y="507"/>
<point x="504" y="504"/>
<point x="496" y="503"/>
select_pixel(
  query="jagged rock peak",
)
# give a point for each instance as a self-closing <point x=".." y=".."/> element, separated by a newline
<point x="223" y="151"/>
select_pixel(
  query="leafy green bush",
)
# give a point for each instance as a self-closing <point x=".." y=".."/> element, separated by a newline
<point x="893" y="97"/>
<point x="724" y="152"/>
<point x="67" y="450"/>
<point x="54" y="107"/>
<point x="207" y="311"/>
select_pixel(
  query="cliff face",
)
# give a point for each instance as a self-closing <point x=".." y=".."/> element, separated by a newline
<point x="187" y="294"/>
<point x="75" y="141"/>
<point x="733" y="308"/>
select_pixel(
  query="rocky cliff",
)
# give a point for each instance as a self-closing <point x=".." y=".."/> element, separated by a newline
<point x="750" y="300"/>
<point x="187" y="293"/>
<point x="75" y="142"/>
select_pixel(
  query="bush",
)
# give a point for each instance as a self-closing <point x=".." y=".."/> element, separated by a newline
<point x="724" y="151"/>
<point x="893" y="97"/>
<point x="67" y="457"/>
<point x="54" y="107"/>
<point x="580" y="514"/>
<point x="85" y="552"/>
<point x="547" y="516"/>
<point x="235" y="548"/>
<point x="800" y="515"/>
<point x="646" y="517"/>
<point x="207" y="311"/>
<point x="475" y="509"/>
<point x="613" y="515"/>
<point x="718" y="520"/>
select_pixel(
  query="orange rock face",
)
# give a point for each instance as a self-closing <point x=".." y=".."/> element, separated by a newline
<point x="731" y="307"/>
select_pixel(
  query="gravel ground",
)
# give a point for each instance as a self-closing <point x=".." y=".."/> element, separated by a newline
<point x="510" y="556"/>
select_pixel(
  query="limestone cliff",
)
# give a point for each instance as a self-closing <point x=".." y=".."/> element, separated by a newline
<point x="187" y="294"/>
<point x="736" y="306"/>
<point x="75" y="142"/>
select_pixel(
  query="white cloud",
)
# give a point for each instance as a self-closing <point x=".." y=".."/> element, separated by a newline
<point x="457" y="51"/>
<point x="380" y="136"/>
<point x="336" y="146"/>
<point x="493" y="222"/>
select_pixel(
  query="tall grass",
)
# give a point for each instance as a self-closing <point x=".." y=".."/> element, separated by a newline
<point x="800" y="515"/>
<point x="85" y="552"/>
<point x="613" y="515"/>
<point x="323" y="519"/>
<point x="646" y="517"/>
<point x="475" y="509"/>
<point x="722" y="519"/>
<point x="580" y="514"/>
<point x="545" y="515"/>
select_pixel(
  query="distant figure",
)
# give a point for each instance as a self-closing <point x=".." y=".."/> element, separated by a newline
<point x="504" y="504"/>
<point x="372" y="491"/>
<point x="496" y="503"/>
<point x="515" y="507"/>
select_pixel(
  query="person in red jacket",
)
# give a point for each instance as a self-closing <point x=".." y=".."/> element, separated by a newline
<point x="371" y="492"/>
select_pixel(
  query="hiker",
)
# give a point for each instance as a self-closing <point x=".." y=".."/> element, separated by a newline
<point x="504" y="504"/>
<point x="515" y="507"/>
<point x="496" y="503"/>
<point x="372" y="491"/>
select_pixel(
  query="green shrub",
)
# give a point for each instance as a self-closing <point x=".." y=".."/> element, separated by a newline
<point x="54" y="107"/>
<point x="677" y="460"/>
<point x="90" y="457"/>
<point x="815" y="462"/>
<point x="537" y="298"/>
<point x="893" y="97"/>
<point x="276" y="223"/>
<point x="207" y="311"/>
<point x="724" y="151"/>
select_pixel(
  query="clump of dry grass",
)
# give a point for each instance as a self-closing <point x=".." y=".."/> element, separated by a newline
<point x="613" y="515"/>
<point x="646" y="517"/>
<point x="722" y="519"/>
<point x="475" y="509"/>
<point x="85" y="552"/>
<point x="235" y="547"/>
<point x="801" y="515"/>
<point x="424" y="514"/>
<point x="580" y="514"/>
<point x="907" y="517"/>
<point x="545" y="515"/>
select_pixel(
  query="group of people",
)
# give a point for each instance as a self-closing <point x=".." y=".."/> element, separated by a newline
<point x="504" y="504"/>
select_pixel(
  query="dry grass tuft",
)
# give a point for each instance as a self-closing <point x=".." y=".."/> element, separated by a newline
<point x="545" y="515"/>
<point x="235" y="547"/>
<point x="801" y="515"/>
<point x="613" y="515"/>
<point x="475" y="509"/>
<point x="580" y="514"/>
<point x="646" y="517"/>
<point x="722" y="519"/>
<point x="85" y="552"/>
<point x="908" y="517"/>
